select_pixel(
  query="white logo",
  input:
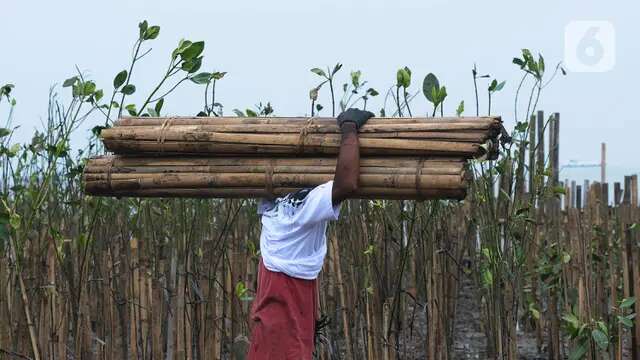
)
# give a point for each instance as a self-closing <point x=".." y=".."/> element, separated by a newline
<point x="589" y="46"/>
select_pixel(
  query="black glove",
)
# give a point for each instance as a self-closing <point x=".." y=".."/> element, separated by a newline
<point x="356" y="116"/>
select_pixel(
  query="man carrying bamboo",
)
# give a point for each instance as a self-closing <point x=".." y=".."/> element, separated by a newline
<point x="293" y="245"/>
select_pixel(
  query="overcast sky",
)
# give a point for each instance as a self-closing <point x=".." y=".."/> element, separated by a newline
<point x="268" y="47"/>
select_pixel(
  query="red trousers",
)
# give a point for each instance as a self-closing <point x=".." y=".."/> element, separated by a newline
<point x="283" y="317"/>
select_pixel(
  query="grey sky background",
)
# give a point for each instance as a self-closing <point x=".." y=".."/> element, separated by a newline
<point x="268" y="47"/>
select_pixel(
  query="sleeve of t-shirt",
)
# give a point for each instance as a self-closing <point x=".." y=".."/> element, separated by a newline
<point x="318" y="206"/>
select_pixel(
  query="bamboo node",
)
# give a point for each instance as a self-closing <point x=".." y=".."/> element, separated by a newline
<point x="268" y="178"/>
<point x="160" y="140"/>
<point x="419" y="167"/>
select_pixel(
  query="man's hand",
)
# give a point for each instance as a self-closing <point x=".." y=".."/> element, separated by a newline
<point x="356" y="116"/>
<point x="345" y="181"/>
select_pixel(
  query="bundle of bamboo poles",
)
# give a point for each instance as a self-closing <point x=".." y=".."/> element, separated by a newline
<point x="222" y="157"/>
<point x="380" y="178"/>
<point x="451" y="137"/>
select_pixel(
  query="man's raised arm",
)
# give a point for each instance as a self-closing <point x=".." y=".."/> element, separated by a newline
<point x="345" y="181"/>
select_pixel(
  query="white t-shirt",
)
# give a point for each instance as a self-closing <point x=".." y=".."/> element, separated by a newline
<point x="293" y="239"/>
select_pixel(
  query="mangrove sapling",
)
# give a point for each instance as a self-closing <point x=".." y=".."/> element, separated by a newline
<point x="313" y="96"/>
<point x="259" y="110"/>
<point x="494" y="87"/>
<point x="474" y="72"/>
<point x="353" y="89"/>
<point x="329" y="76"/>
<point x="504" y="220"/>
<point x="403" y="80"/>
<point x="210" y="80"/>
<point x="21" y="204"/>
<point x="434" y="93"/>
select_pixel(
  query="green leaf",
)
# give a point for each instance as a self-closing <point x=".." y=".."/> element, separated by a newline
<point x="15" y="221"/>
<point x="5" y="90"/>
<point x="152" y="112"/>
<point x="625" y="321"/>
<point x="241" y="289"/>
<point x="96" y="130"/>
<point x="218" y="75"/>
<point x="238" y="113"/>
<point x="13" y="150"/>
<point x="336" y="68"/>
<point x="88" y="88"/>
<point x="152" y="33"/>
<point x="182" y="45"/>
<point x="4" y="132"/>
<point x="192" y="51"/>
<point x="627" y="302"/>
<point x="355" y="78"/>
<point x="403" y="77"/>
<point x="573" y="323"/>
<point x="197" y="63"/>
<point x="493" y="85"/>
<point x="487" y="278"/>
<point x="435" y="94"/>
<point x="158" y="106"/>
<point x="120" y="78"/>
<point x="251" y="113"/>
<point x="521" y="126"/>
<point x="500" y="86"/>
<point x="372" y="92"/>
<point x="70" y="81"/>
<point x="428" y="85"/>
<point x="579" y="352"/>
<point x="131" y="109"/>
<point x="369" y="250"/>
<point x="192" y="65"/>
<point x="460" y="108"/>
<point x="128" y="89"/>
<point x="143" y="28"/>
<point x="319" y="72"/>
<point x="442" y="94"/>
<point x="98" y="95"/>
<point x="519" y="62"/>
<point x="601" y="339"/>
<point x="313" y="93"/>
<point x="201" y="78"/>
